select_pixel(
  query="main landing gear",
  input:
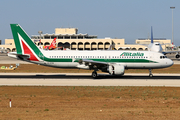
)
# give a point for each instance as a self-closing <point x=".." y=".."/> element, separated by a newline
<point x="150" y="73"/>
<point x="94" y="74"/>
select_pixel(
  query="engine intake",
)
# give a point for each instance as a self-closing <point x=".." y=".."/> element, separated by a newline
<point x="177" y="56"/>
<point x="116" y="69"/>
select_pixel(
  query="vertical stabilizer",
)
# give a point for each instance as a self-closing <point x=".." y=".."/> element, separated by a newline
<point x="24" y="45"/>
<point x="151" y="35"/>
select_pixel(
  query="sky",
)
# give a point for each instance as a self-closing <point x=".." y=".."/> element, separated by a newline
<point x="128" y="19"/>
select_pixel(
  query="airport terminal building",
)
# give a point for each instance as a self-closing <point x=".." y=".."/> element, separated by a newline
<point x="69" y="38"/>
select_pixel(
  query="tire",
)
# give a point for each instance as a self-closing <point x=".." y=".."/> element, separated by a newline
<point x="177" y="56"/>
<point x="94" y="75"/>
<point x="151" y="75"/>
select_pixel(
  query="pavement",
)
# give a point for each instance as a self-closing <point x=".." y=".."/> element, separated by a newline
<point x="85" y="79"/>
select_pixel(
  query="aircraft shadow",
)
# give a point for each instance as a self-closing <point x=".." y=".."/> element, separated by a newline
<point x="105" y="76"/>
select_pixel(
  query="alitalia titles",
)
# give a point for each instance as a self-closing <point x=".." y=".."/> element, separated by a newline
<point x="132" y="54"/>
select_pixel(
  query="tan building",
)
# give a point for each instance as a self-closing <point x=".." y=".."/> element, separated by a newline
<point x="9" y="45"/>
<point x="69" y="38"/>
<point x="165" y="43"/>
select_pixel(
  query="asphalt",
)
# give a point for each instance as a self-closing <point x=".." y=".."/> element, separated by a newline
<point x="85" y="79"/>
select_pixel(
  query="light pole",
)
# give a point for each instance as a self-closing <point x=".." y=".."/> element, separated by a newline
<point x="172" y="26"/>
<point x="40" y="32"/>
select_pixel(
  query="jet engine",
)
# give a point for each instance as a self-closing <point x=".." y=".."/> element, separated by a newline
<point x="116" y="69"/>
<point x="177" y="56"/>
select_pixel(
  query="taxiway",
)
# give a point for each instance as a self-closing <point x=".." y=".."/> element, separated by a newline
<point x="85" y="79"/>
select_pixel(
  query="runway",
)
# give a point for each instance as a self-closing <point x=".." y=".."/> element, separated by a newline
<point x="85" y="79"/>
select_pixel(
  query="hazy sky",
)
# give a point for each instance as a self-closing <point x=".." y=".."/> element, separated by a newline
<point x="129" y="19"/>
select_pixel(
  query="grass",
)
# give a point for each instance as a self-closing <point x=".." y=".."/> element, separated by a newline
<point x="90" y="102"/>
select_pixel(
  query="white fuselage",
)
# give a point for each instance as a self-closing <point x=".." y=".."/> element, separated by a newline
<point x="131" y="59"/>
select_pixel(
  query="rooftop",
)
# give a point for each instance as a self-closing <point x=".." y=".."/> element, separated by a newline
<point x="64" y="33"/>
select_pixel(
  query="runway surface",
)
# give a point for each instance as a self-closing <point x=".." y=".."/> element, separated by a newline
<point x="85" y="79"/>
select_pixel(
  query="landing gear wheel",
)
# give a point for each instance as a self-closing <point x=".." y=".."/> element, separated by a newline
<point x="94" y="75"/>
<point x="150" y="73"/>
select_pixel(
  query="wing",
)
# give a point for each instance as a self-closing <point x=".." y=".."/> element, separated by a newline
<point x="111" y="68"/>
<point x="92" y="64"/>
<point x="168" y="52"/>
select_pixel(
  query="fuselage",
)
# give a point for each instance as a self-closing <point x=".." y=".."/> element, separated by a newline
<point x="129" y="59"/>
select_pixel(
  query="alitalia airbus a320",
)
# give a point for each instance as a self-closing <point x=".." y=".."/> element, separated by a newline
<point x="111" y="61"/>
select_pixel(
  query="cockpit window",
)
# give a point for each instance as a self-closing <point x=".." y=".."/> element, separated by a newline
<point x="156" y="44"/>
<point x="163" y="57"/>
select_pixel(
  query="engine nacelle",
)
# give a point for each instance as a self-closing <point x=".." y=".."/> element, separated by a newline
<point x="116" y="69"/>
<point x="177" y="56"/>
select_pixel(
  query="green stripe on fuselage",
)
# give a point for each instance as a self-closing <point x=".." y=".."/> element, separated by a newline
<point x="102" y="60"/>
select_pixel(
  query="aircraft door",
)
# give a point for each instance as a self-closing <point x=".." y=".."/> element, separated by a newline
<point x="41" y="56"/>
<point x="107" y="58"/>
<point x="150" y="57"/>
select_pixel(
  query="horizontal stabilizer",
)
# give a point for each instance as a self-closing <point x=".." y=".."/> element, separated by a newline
<point x="20" y="56"/>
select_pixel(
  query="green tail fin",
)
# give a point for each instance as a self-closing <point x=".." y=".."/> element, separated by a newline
<point x="18" y="35"/>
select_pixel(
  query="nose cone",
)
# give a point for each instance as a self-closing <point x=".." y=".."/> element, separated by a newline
<point x="170" y="62"/>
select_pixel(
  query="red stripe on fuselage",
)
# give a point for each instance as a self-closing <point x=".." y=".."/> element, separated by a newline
<point x="28" y="51"/>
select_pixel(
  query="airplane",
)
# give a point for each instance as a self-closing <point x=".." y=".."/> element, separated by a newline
<point x="109" y="61"/>
<point x="52" y="46"/>
<point x="156" y="47"/>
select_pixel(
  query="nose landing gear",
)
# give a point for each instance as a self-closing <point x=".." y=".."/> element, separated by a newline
<point x="150" y="73"/>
